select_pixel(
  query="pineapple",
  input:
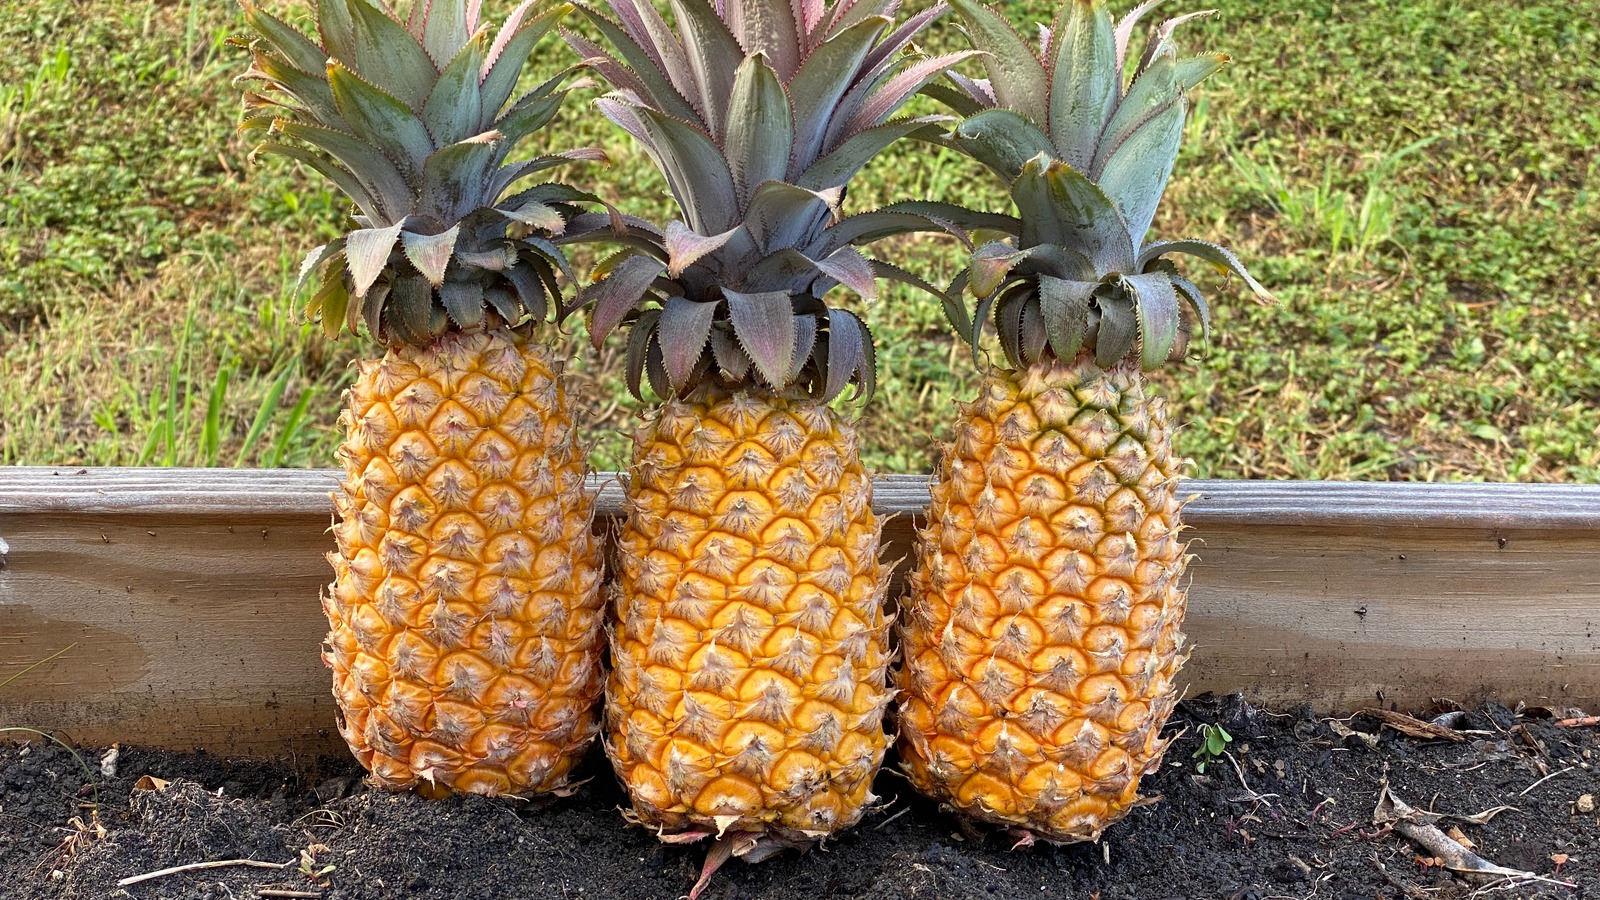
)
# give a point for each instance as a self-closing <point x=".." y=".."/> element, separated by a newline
<point x="1041" y="637"/>
<point x="750" y="651"/>
<point x="466" y="610"/>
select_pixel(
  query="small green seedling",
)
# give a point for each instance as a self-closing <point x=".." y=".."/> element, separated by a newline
<point x="1214" y="743"/>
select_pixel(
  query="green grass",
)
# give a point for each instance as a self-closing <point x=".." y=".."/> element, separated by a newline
<point x="1417" y="181"/>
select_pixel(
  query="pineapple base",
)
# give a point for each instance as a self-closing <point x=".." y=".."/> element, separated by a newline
<point x="750" y="661"/>
<point x="466" y="608"/>
<point x="1041" y="635"/>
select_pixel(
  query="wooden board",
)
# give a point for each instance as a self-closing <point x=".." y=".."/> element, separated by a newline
<point x="189" y="598"/>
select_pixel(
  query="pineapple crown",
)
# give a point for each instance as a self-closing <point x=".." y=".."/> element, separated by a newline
<point x="414" y="121"/>
<point x="1087" y="159"/>
<point x="759" y="112"/>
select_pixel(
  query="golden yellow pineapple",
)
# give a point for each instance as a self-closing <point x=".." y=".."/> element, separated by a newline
<point x="1041" y="636"/>
<point x="467" y="605"/>
<point x="466" y="609"/>
<point x="749" y="659"/>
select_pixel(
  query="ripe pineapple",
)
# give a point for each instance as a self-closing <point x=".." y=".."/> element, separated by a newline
<point x="466" y="606"/>
<point x="749" y="659"/>
<point x="1042" y="634"/>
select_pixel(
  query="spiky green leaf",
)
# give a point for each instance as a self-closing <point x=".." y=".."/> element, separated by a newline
<point x="388" y="54"/>
<point x="1085" y="83"/>
<point x="1059" y="205"/>
<point x="378" y="117"/>
<point x="1220" y="257"/>
<point x="1018" y="80"/>
<point x="299" y="50"/>
<point x="1119" y="329"/>
<point x="454" y="110"/>
<point x="1064" y="307"/>
<point x="1003" y="141"/>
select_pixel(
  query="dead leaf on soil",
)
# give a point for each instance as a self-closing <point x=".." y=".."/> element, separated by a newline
<point x="1413" y="727"/>
<point x="150" y="783"/>
<point x="1418" y="827"/>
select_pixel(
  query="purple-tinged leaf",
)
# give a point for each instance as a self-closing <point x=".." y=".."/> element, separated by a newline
<point x="1161" y="40"/>
<point x="805" y="339"/>
<point x="684" y="329"/>
<point x="648" y="36"/>
<point x="670" y="87"/>
<point x="784" y="215"/>
<point x="839" y="166"/>
<point x="454" y="110"/>
<point x="1191" y="293"/>
<point x="848" y="267"/>
<point x="1125" y="26"/>
<point x="431" y="253"/>
<point x="846" y="337"/>
<point x="819" y="85"/>
<point x="655" y="368"/>
<point x="295" y="47"/>
<point x="444" y="30"/>
<point x="881" y="56"/>
<point x="764" y="325"/>
<point x="640" y="337"/>
<point x="1003" y="141"/>
<point x="893" y="94"/>
<point x="1060" y="205"/>
<point x="366" y="252"/>
<point x="372" y="309"/>
<point x="530" y="291"/>
<point x="409" y="313"/>
<point x="981" y="90"/>
<point x="1008" y="322"/>
<point x="731" y="358"/>
<point x="539" y="215"/>
<point x="685" y="246"/>
<point x="760" y="135"/>
<point x="463" y="302"/>
<point x="763" y="27"/>
<point x="695" y="169"/>
<point x="618" y="294"/>
<point x="990" y="265"/>
<point x="390" y="55"/>
<point x="505" y="302"/>
<point x="713" y="53"/>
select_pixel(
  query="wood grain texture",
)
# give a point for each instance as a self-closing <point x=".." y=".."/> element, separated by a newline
<point x="191" y="598"/>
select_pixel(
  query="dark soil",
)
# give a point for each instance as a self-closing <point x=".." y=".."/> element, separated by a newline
<point x="1308" y="833"/>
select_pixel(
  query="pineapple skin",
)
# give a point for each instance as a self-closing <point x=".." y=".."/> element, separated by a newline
<point x="750" y="659"/>
<point x="1041" y="635"/>
<point x="466" y="611"/>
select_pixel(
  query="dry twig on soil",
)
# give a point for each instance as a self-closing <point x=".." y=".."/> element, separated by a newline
<point x="191" y="867"/>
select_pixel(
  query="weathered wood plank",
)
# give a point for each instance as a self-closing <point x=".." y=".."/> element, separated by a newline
<point x="191" y="598"/>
